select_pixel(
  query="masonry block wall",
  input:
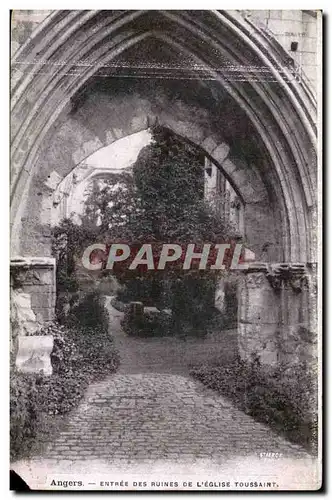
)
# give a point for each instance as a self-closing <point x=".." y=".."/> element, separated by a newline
<point x="261" y="135"/>
<point x="109" y="111"/>
<point x="258" y="319"/>
<point x="289" y="26"/>
<point x="274" y="316"/>
<point x="36" y="277"/>
<point x="23" y="23"/>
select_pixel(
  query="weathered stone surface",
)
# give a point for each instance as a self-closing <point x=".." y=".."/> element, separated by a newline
<point x="219" y="300"/>
<point x="248" y="255"/>
<point x="220" y="152"/>
<point x="86" y="149"/>
<point x="190" y="130"/>
<point x="209" y="144"/>
<point x="34" y="354"/>
<point x="258" y="223"/>
<point x="258" y="340"/>
<point x="262" y="306"/>
<point x="36" y="276"/>
<point x="138" y="123"/>
<point x="256" y="280"/>
<point x="41" y="296"/>
<point x="239" y="177"/>
<point x="151" y="311"/>
<point x="53" y="179"/>
<point x="229" y="166"/>
<point x="274" y="321"/>
<point x="44" y="314"/>
<point x="23" y="319"/>
<point x="103" y="117"/>
<point x="28" y="262"/>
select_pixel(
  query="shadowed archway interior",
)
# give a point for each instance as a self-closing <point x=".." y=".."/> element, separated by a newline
<point x="262" y="89"/>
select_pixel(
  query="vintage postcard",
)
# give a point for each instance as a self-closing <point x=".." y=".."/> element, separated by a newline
<point x="165" y="250"/>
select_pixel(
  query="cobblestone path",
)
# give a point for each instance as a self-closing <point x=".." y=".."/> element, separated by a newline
<point x="161" y="416"/>
<point x="152" y="411"/>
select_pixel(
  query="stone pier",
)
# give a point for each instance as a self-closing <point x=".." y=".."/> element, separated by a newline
<point x="274" y="314"/>
<point x="35" y="276"/>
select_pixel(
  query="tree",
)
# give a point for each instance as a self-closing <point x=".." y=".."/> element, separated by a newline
<point x="161" y="201"/>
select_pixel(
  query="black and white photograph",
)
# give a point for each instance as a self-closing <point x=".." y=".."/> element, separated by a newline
<point x="165" y="249"/>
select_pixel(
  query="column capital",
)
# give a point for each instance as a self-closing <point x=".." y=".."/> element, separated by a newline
<point x="286" y="274"/>
<point x="281" y="274"/>
<point x="29" y="262"/>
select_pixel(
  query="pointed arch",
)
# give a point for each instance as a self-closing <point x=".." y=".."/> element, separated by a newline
<point x="70" y="47"/>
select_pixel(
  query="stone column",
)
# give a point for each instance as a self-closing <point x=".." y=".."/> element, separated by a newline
<point x="274" y="314"/>
<point x="258" y="316"/>
<point x="35" y="276"/>
<point x="297" y="315"/>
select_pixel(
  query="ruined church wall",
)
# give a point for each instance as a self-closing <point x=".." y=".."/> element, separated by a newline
<point x="108" y="113"/>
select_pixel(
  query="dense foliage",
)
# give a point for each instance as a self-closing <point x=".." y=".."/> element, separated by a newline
<point x="284" y="397"/>
<point x="68" y="242"/>
<point x="83" y="352"/>
<point x="23" y="412"/>
<point x="162" y="201"/>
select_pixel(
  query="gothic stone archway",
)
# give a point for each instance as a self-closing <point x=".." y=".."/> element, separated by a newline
<point x="270" y="158"/>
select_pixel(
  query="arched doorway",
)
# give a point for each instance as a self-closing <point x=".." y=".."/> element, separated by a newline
<point x="100" y="176"/>
<point x="62" y="113"/>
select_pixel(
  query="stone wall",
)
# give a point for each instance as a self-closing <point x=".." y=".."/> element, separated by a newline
<point x="289" y="26"/>
<point x="286" y="25"/>
<point x="35" y="276"/>
<point x="274" y="321"/>
<point x="261" y="135"/>
<point x="23" y="23"/>
<point x="108" y="111"/>
<point x="262" y="141"/>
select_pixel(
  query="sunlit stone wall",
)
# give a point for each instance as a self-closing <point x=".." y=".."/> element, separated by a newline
<point x="293" y="27"/>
